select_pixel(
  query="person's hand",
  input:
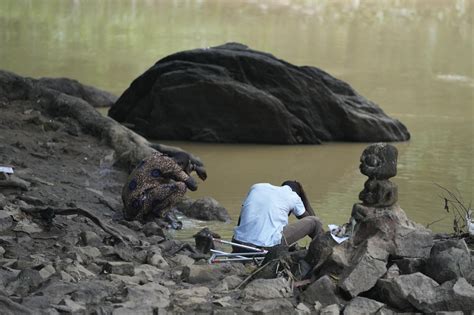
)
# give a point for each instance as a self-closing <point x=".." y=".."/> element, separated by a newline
<point x="201" y="172"/>
<point x="191" y="184"/>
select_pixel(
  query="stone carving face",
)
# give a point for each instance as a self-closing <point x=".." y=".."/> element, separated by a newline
<point x="379" y="161"/>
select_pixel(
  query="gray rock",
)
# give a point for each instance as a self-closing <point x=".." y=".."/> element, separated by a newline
<point x="95" y="268"/>
<point x="2" y="251"/>
<point x="15" y="182"/>
<point x="321" y="251"/>
<point x="32" y="200"/>
<point x="410" y="265"/>
<point x="107" y="250"/>
<point x="8" y="275"/>
<point x="135" y="310"/>
<point x="78" y="272"/>
<point x="6" y="221"/>
<point x="47" y="271"/>
<point x="229" y="311"/>
<point x="127" y="280"/>
<point x="158" y="261"/>
<point x="369" y="263"/>
<point x="88" y="253"/>
<point x="470" y="275"/>
<point x="362" y="305"/>
<point x="448" y="260"/>
<point x="395" y="291"/>
<point x="228" y="283"/>
<point x="32" y="261"/>
<point x="65" y="276"/>
<point x="69" y="306"/>
<point x="120" y="268"/>
<point x="182" y="260"/>
<point x="412" y="241"/>
<point x="267" y="289"/>
<point x="27" y="281"/>
<point x="90" y="238"/>
<point x="148" y="272"/>
<point x="149" y="296"/>
<point x="196" y="274"/>
<point x="152" y="228"/>
<point x="3" y="201"/>
<point x="401" y="236"/>
<point x="8" y="307"/>
<point x="387" y="311"/>
<point x="274" y="306"/>
<point x="322" y="290"/>
<point x="442" y="245"/>
<point x="333" y="309"/>
<point x="39" y="305"/>
<point x="94" y="292"/>
<point x="192" y="296"/>
<point x="455" y="295"/>
<point x="225" y="301"/>
<point x="205" y="209"/>
<point x="52" y="292"/>
<point x="27" y="226"/>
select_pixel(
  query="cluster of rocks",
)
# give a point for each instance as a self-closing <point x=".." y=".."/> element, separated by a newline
<point x="390" y="264"/>
<point x="231" y="93"/>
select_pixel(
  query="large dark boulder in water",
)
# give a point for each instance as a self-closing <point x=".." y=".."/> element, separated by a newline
<point x="231" y="93"/>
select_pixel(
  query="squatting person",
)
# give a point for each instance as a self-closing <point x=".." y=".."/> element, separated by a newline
<point x="157" y="183"/>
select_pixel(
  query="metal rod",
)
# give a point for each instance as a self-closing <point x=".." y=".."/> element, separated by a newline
<point x="218" y="253"/>
<point x="221" y="253"/>
<point x="240" y="245"/>
<point x="235" y="259"/>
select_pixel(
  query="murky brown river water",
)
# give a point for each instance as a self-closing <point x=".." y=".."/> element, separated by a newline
<point x="414" y="58"/>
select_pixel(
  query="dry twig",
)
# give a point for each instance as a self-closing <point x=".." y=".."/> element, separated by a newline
<point x="79" y="211"/>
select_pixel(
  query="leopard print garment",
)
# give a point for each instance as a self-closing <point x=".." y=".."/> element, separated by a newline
<point x="153" y="187"/>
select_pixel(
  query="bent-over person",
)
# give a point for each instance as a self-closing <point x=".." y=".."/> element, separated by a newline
<point x="263" y="221"/>
<point x="157" y="183"/>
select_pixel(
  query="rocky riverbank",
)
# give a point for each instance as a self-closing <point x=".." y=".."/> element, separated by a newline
<point x="65" y="248"/>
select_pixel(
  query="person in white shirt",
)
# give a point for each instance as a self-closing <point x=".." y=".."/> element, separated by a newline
<point x="263" y="220"/>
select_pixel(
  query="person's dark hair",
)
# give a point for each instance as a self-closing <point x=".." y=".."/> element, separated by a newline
<point x="298" y="189"/>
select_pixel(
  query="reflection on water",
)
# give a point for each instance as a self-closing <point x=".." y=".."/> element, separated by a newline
<point x="413" y="57"/>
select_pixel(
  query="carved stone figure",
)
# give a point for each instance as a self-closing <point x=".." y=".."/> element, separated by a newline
<point x="379" y="163"/>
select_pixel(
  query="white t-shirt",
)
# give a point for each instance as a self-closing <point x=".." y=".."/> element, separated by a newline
<point x="265" y="212"/>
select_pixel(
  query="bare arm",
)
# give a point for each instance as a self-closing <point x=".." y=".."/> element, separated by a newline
<point x="307" y="205"/>
<point x="172" y="170"/>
